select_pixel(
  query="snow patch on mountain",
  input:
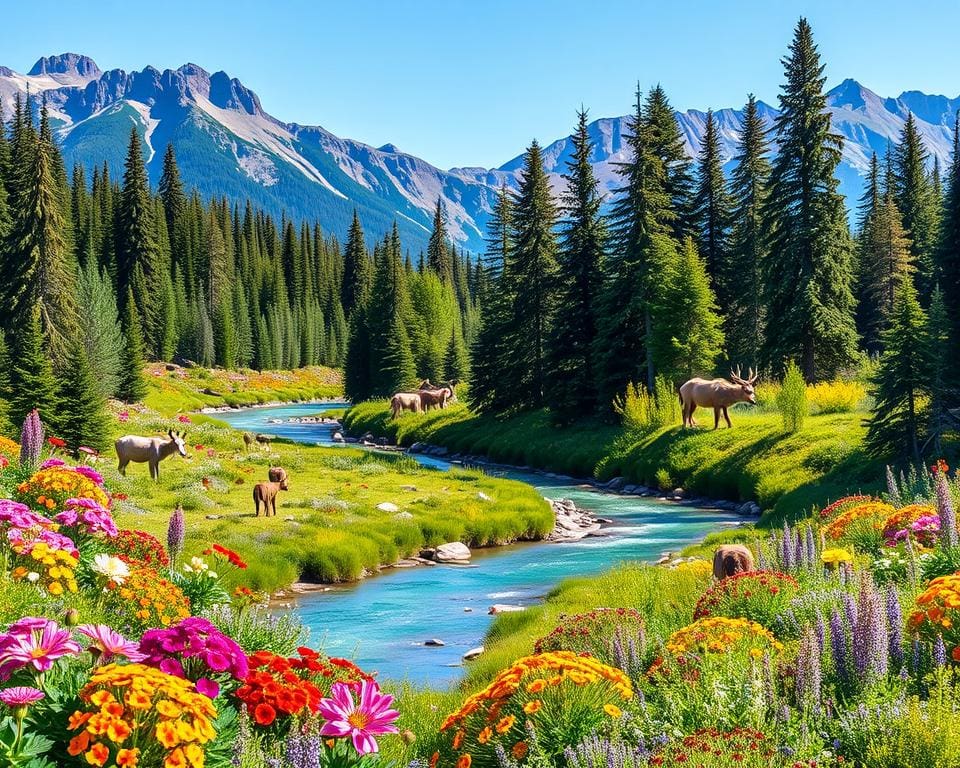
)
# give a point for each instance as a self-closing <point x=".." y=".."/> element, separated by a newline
<point x="149" y="125"/>
<point x="258" y="166"/>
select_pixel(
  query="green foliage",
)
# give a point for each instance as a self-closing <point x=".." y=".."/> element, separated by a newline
<point x="712" y="214"/>
<point x="644" y="412"/>
<point x="132" y="387"/>
<point x="32" y="384"/>
<point x="100" y="326"/>
<point x="84" y="421"/>
<point x="792" y="399"/>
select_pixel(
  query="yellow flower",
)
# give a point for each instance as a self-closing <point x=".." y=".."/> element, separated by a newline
<point x="532" y="706"/>
<point x="613" y="710"/>
<point x="836" y="555"/>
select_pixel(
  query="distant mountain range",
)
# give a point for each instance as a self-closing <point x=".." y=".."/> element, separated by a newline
<point x="227" y="145"/>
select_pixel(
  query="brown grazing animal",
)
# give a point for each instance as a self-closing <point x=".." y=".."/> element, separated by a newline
<point x="151" y="450"/>
<point x="430" y="398"/>
<point x="404" y="401"/>
<point x="730" y="559"/>
<point x="265" y="494"/>
<point x="248" y="440"/>
<point x="718" y="394"/>
<point x="264" y="439"/>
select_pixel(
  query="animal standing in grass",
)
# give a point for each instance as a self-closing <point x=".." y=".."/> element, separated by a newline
<point x="731" y="559"/>
<point x="265" y="494"/>
<point x="151" y="450"/>
<point x="718" y="394"/>
<point x="435" y="398"/>
<point x="404" y="401"/>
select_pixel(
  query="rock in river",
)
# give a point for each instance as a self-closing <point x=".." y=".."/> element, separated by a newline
<point x="435" y="643"/>
<point x="473" y="653"/>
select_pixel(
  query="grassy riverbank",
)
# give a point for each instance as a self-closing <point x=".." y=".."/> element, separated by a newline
<point x="785" y="473"/>
<point x="328" y="527"/>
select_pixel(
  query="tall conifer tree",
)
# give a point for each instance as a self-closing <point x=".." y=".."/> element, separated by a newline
<point x="712" y="214"/>
<point x="914" y="197"/>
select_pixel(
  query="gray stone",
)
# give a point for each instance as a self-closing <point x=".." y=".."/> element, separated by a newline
<point x="388" y="506"/>
<point x="616" y="484"/>
<point x="473" y="653"/>
<point x="484" y="497"/>
<point x="435" y="643"/>
<point x="498" y="608"/>
<point x="403" y="516"/>
<point x="337" y="437"/>
<point x="452" y="552"/>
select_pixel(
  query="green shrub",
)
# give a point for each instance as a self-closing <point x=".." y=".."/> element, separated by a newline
<point x="645" y="412"/>
<point x="792" y="399"/>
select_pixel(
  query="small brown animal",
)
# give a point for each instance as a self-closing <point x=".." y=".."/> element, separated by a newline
<point x="718" y="394"/>
<point x="405" y="401"/>
<point x="730" y="559"/>
<point x="248" y="440"/>
<point x="430" y="398"/>
<point x="265" y="494"/>
<point x="264" y="439"/>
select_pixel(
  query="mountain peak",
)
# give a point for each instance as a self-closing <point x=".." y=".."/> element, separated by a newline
<point x="66" y="64"/>
<point x="849" y="94"/>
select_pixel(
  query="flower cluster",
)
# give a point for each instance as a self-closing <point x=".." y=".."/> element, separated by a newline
<point x="755" y="595"/>
<point x="938" y="612"/>
<point x="871" y="514"/>
<point x="277" y="687"/>
<point x="835" y="555"/>
<point x="34" y="643"/>
<point x="49" y="489"/>
<point x="720" y="634"/>
<point x="575" y="694"/>
<point x="106" y="643"/>
<point x="86" y="517"/>
<point x="9" y="448"/>
<point x="842" y="504"/>
<point x="42" y="555"/>
<point x="196" y="650"/>
<point x="138" y="715"/>
<point x="231" y="557"/>
<point x="900" y="520"/>
<point x="591" y="632"/>
<point x="149" y="600"/>
<point x="140" y="546"/>
<point x="712" y="747"/>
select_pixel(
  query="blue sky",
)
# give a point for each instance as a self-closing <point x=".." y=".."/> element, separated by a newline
<point x="471" y="83"/>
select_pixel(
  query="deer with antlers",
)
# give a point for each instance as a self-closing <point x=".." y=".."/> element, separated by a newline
<point x="718" y="394"/>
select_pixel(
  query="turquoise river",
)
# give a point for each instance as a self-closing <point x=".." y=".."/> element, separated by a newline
<point x="383" y="622"/>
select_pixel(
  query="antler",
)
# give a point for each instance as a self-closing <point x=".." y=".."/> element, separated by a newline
<point x="753" y="377"/>
<point x="735" y="376"/>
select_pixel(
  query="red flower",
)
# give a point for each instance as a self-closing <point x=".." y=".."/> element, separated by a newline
<point x="56" y="442"/>
<point x="264" y="714"/>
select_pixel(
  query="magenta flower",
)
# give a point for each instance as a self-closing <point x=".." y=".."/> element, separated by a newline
<point x="20" y="696"/>
<point x="362" y="720"/>
<point x="33" y="642"/>
<point x="89" y="472"/>
<point x="108" y="643"/>
<point x="52" y="462"/>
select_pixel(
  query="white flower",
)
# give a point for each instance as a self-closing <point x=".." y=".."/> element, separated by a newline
<point x="212" y="574"/>
<point x="33" y="577"/>
<point x="187" y="569"/>
<point x="198" y="564"/>
<point x="112" y="567"/>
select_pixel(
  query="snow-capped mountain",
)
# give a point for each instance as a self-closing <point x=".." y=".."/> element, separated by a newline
<point x="227" y="145"/>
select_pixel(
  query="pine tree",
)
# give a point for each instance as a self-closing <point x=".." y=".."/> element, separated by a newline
<point x="135" y="245"/>
<point x="32" y="384"/>
<point x="901" y="380"/>
<point x="389" y="308"/>
<point x="356" y="267"/>
<point x="132" y="387"/>
<point x="35" y="265"/>
<point x="712" y="214"/>
<point x="808" y="277"/>
<point x="438" y="251"/>
<point x="641" y="224"/>
<point x="689" y="336"/>
<point x="395" y="370"/>
<point x="456" y="365"/>
<point x="665" y="141"/>
<point x="579" y="279"/>
<point x="948" y="253"/>
<point x="83" y="421"/>
<point x="914" y="198"/>
<point x="885" y="262"/>
<point x="745" y="319"/>
<point x="533" y="266"/>
<point x="941" y="386"/>
<point x="100" y="325"/>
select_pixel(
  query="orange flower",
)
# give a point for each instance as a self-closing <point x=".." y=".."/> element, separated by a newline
<point x="485" y="735"/>
<point x="128" y="758"/>
<point x="434" y="758"/>
<point x="464" y="761"/>
<point x="458" y="739"/>
<point x="532" y="706"/>
<point x="97" y="755"/>
<point x="506" y="724"/>
<point x="519" y="750"/>
<point x="78" y="743"/>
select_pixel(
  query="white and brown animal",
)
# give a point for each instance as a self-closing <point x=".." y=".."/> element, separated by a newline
<point x="151" y="450"/>
<point x="731" y="559"/>
<point x="405" y="401"/>
<point x="248" y="440"/>
<point x="438" y="397"/>
<point x="265" y="494"/>
<point x="718" y="394"/>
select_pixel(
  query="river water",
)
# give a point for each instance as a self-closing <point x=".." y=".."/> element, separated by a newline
<point x="382" y="622"/>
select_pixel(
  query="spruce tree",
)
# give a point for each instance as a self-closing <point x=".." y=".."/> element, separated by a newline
<point x="457" y="360"/>
<point x="533" y="267"/>
<point x="389" y="308"/>
<point x="356" y="267"/>
<point x="136" y="251"/>
<point x="712" y="214"/>
<point x="942" y="387"/>
<point x="914" y="197"/>
<point x="665" y="141"/>
<point x="948" y="253"/>
<point x="132" y="387"/>
<point x="901" y="381"/>
<point x="438" y="250"/>
<point x="642" y="215"/>
<point x="809" y="273"/>
<point x="83" y="421"/>
<point x="689" y="335"/>
<point x="745" y="319"/>
<point x="580" y="259"/>
<point x="32" y="384"/>
<point x="395" y="370"/>
<point x="100" y="326"/>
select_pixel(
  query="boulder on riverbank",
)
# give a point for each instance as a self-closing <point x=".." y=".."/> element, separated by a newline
<point x="498" y="608"/>
<point x="572" y="523"/>
<point x="473" y="653"/>
<point x="453" y="552"/>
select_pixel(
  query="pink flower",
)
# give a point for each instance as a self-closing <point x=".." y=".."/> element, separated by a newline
<point x="123" y="416"/>
<point x="109" y="643"/>
<point x="211" y="453"/>
<point x="361" y="721"/>
<point x="183" y="419"/>
<point x="34" y="642"/>
<point x="20" y="696"/>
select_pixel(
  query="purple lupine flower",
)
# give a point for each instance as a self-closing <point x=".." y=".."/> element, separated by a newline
<point x="849" y="609"/>
<point x="838" y="647"/>
<point x="915" y="655"/>
<point x="798" y="551"/>
<point x="945" y="511"/>
<point x="31" y="440"/>
<point x="821" y="633"/>
<point x="786" y="549"/>
<point x="762" y="562"/>
<point x="871" y="641"/>
<point x="939" y="653"/>
<point x="893" y="492"/>
<point x="175" y="535"/>
<point x="809" y="676"/>
<point x="895" y="626"/>
<point x="811" y="541"/>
